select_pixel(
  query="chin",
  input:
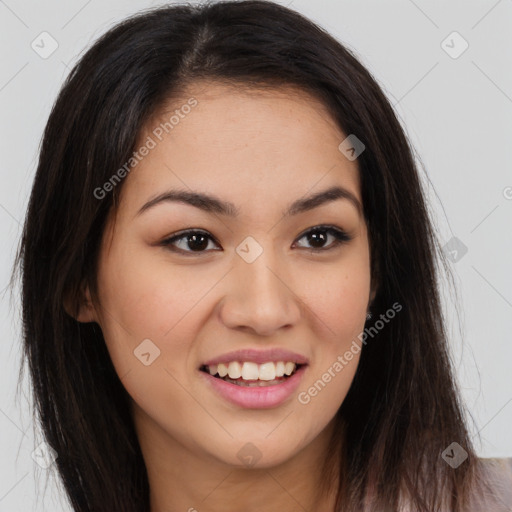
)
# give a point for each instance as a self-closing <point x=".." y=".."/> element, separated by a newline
<point x="258" y="452"/>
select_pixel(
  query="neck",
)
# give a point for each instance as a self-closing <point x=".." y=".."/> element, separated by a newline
<point x="183" y="480"/>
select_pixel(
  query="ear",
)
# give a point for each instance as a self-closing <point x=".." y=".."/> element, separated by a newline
<point x="375" y="280"/>
<point x="373" y="293"/>
<point x="81" y="308"/>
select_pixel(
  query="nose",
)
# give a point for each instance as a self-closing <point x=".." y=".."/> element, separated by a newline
<point x="260" y="297"/>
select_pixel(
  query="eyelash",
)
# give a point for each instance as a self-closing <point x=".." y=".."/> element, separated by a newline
<point x="340" y="237"/>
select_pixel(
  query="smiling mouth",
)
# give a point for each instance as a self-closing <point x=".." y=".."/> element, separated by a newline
<point x="251" y="374"/>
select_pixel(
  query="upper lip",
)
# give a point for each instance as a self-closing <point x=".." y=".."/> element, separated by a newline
<point x="258" y="356"/>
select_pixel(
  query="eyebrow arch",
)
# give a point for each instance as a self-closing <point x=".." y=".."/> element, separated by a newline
<point x="212" y="204"/>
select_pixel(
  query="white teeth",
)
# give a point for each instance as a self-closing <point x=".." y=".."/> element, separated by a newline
<point x="288" y="368"/>
<point x="267" y="371"/>
<point x="234" y="370"/>
<point x="222" y="370"/>
<point x="255" y="383"/>
<point x="252" y="371"/>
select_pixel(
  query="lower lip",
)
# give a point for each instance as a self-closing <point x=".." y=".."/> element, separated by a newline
<point x="256" y="397"/>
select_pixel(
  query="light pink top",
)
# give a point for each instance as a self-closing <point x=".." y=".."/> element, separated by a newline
<point x="497" y="499"/>
<point x="500" y="471"/>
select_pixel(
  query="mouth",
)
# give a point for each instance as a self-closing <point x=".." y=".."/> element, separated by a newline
<point x="255" y="379"/>
<point x="251" y="374"/>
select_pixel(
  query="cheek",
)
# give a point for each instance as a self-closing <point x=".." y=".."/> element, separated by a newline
<point x="146" y="294"/>
<point x="338" y="296"/>
<point x="144" y="322"/>
<point x="346" y="302"/>
<point x="339" y="302"/>
<point x="149" y="299"/>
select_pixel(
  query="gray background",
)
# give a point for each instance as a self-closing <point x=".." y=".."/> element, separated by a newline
<point x="456" y="111"/>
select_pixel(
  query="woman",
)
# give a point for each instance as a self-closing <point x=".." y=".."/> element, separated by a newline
<point x="229" y="280"/>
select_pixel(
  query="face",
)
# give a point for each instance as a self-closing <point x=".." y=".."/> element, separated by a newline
<point x="249" y="281"/>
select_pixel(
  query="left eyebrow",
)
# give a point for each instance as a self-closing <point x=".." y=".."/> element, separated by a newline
<point x="212" y="204"/>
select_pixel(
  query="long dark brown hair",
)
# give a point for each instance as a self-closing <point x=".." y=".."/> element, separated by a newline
<point x="403" y="408"/>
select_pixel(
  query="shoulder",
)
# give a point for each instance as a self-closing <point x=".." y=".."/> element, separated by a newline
<point x="497" y="496"/>
<point x="493" y="487"/>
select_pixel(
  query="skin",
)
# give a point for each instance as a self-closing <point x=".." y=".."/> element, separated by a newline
<point x="260" y="150"/>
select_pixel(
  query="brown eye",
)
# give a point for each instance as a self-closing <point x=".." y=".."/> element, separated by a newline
<point x="319" y="236"/>
<point x="191" y="241"/>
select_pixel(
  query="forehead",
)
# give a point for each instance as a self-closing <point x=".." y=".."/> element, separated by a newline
<point x="242" y="144"/>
